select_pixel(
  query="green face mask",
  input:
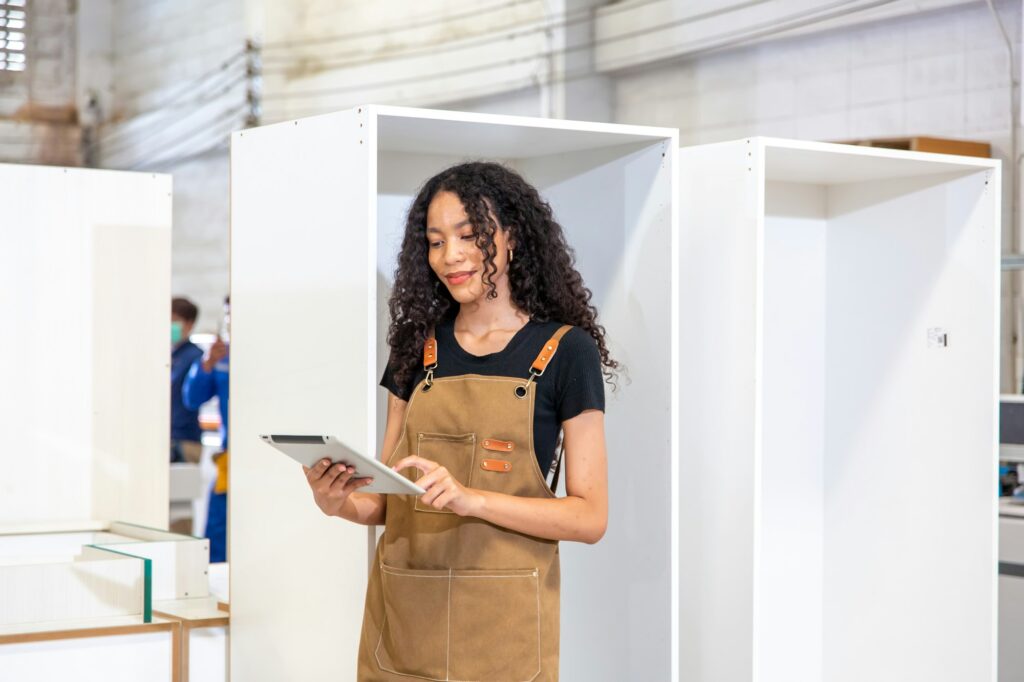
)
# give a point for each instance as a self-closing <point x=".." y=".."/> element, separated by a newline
<point x="175" y="332"/>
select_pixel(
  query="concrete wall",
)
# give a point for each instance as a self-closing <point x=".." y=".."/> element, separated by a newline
<point x="939" y="72"/>
<point x="176" y="88"/>
<point x="943" y="73"/>
<point x="171" y="107"/>
<point x="38" y="113"/>
<point x="326" y="55"/>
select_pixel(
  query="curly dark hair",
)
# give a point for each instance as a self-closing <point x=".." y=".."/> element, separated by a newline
<point x="542" y="277"/>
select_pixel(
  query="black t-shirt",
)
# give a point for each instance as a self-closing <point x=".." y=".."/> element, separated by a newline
<point x="572" y="382"/>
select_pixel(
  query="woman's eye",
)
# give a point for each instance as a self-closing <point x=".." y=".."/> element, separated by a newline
<point x="435" y="245"/>
<point x="469" y="237"/>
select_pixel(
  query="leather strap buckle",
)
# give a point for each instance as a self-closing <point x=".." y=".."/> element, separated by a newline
<point x="430" y="353"/>
<point x="429" y="359"/>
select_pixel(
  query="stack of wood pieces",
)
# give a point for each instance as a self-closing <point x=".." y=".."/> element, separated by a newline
<point x="935" y="145"/>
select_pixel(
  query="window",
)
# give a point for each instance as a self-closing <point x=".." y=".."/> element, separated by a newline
<point x="13" y="22"/>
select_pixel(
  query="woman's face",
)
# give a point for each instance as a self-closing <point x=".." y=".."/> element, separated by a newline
<point x="452" y="251"/>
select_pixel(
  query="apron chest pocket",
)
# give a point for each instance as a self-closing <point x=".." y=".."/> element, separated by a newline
<point x="454" y="453"/>
<point x="477" y="626"/>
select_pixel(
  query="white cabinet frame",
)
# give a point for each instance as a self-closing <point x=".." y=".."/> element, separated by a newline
<point x="838" y="391"/>
<point x="317" y="214"/>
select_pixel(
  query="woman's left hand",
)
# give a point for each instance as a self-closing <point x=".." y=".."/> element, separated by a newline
<point x="442" y="490"/>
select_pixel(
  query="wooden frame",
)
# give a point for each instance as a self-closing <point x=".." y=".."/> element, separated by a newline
<point x="932" y="145"/>
<point x="188" y="620"/>
<point x="103" y="669"/>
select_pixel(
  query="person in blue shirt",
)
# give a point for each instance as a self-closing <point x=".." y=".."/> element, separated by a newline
<point x="185" y="433"/>
<point x="208" y="377"/>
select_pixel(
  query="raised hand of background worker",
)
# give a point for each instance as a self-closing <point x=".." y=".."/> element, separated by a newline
<point x="442" y="489"/>
<point x="332" y="484"/>
<point x="217" y="352"/>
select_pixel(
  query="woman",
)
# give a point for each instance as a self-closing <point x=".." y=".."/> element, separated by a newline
<point x="485" y="372"/>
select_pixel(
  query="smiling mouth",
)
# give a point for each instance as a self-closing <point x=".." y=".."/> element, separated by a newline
<point x="456" y="278"/>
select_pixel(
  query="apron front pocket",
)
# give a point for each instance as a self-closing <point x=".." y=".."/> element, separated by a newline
<point x="474" y="626"/>
<point x="414" y="637"/>
<point x="453" y="452"/>
<point x="495" y="626"/>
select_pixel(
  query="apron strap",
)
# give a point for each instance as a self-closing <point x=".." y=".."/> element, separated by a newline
<point x="557" y="466"/>
<point x="542" y="361"/>
<point x="548" y="351"/>
<point x="429" y="359"/>
<point x="430" y="351"/>
<point x="537" y="369"/>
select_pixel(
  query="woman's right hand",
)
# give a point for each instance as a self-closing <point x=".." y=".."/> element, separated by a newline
<point x="332" y="484"/>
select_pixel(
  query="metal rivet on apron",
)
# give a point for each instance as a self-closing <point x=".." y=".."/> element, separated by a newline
<point x="521" y="392"/>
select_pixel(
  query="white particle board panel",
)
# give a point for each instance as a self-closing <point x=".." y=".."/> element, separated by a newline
<point x="59" y="544"/>
<point x="180" y="562"/>
<point x="98" y="583"/>
<point x="424" y="131"/>
<point x="302" y="242"/>
<point x="719" y="248"/>
<point x="183" y="576"/>
<point x="616" y="207"/>
<point x="57" y="577"/>
<point x="906" y="256"/>
<point x="791" y="470"/>
<point x="817" y="277"/>
<point x="318" y="212"/>
<point x="85" y="291"/>
<point x="803" y="162"/>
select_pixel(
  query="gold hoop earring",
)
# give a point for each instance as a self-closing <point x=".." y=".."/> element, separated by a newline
<point x="510" y="255"/>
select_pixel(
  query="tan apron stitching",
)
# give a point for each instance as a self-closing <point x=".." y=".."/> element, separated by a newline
<point x="448" y="633"/>
<point x="448" y="438"/>
<point x="536" y="590"/>
<point x="465" y="577"/>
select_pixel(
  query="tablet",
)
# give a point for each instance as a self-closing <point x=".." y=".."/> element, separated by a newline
<point x="308" y="450"/>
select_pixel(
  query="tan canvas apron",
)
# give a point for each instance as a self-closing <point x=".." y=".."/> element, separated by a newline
<point x="457" y="598"/>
